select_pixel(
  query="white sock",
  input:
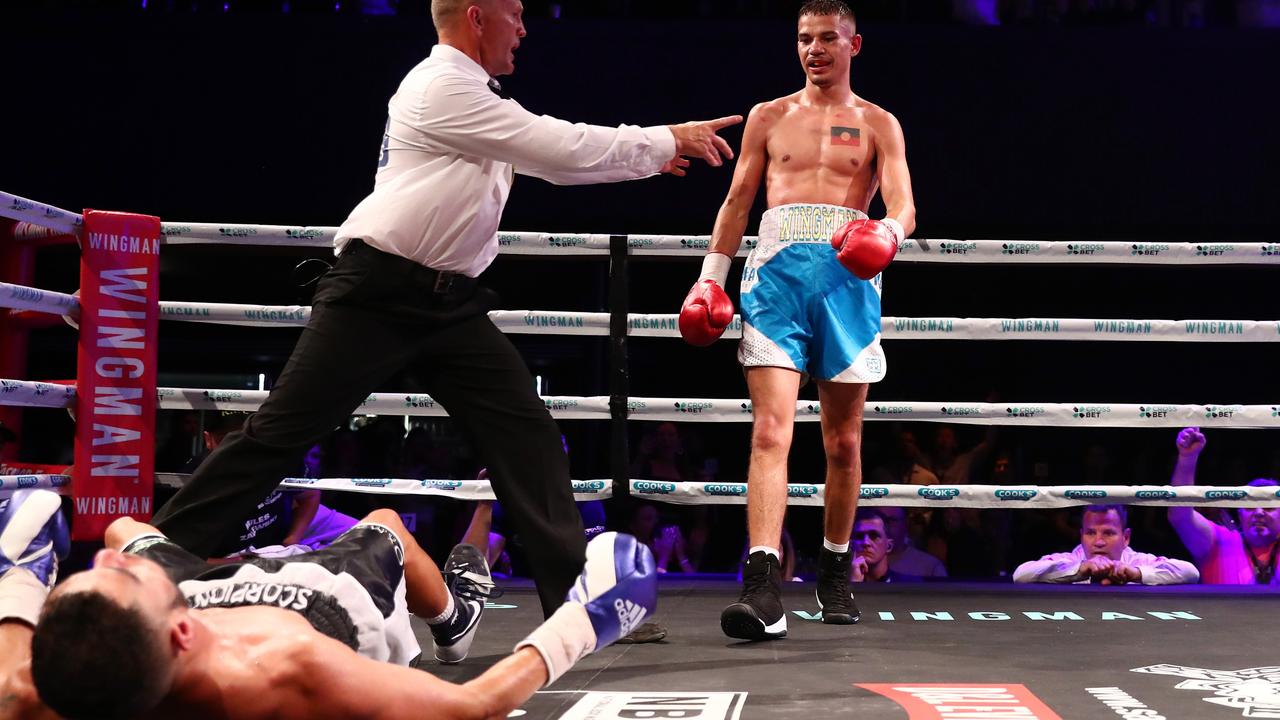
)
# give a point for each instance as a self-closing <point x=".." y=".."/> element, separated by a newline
<point x="834" y="547"/>
<point x="449" y="611"/>
<point x="765" y="548"/>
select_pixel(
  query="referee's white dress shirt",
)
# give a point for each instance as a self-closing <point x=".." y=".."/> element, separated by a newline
<point x="447" y="162"/>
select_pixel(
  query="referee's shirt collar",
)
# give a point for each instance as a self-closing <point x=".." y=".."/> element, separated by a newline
<point x="459" y="59"/>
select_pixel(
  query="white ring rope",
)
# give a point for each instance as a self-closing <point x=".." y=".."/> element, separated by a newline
<point x="542" y="322"/>
<point x="568" y="407"/>
<point x="21" y="297"/>
<point x="37" y="213"/>
<point x="973" y="496"/>
<point x="911" y="250"/>
<point x="731" y="493"/>
<point x="58" y="483"/>
<point x="536" y="243"/>
<point x="664" y="325"/>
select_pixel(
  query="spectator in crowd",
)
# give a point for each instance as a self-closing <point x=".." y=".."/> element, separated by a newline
<point x="320" y="525"/>
<point x="906" y="464"/>
<point x="666" y="541"/>
<point x="871" y="548"/>
<point x="1104" y="557"/>
<point x="951" y="466"/>
<point x="663" y="455"/>
<point x="271" y="521"/>
<point x="1225" y="556"/>
<point x="286" y="522"/>
<point x="903" y="558"/>
<point x="963" y="536"/>
<point x="972" y="543"/>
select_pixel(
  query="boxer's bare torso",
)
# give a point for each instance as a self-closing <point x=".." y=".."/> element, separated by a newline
<point x="821" y="154"/>
<point x="822" y="144"/>
<point x="254" y="669"/>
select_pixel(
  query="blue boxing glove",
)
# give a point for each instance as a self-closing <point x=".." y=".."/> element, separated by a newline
<point x="33" y="537"/>
<point x="615" y="592"/>
<point x="33" y="534"/>
<point x="617" y="586"/>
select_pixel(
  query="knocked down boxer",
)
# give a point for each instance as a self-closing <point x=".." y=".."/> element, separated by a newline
<point x="297" y="637"/>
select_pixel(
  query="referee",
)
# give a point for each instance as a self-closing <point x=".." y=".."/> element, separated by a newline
<point x="403" y="293"/>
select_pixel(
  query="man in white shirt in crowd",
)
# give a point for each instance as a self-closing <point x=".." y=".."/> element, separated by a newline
<point x="1104" y="557"/>
<point x="403" y="294"/>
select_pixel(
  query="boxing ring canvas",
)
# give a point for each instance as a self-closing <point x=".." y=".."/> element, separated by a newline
<point x="922" y="651"/>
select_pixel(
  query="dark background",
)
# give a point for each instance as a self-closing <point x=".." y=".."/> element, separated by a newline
<point x="1044" y="130"/>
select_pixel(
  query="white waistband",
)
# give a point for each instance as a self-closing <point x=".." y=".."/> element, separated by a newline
<point x="805" y="222"/>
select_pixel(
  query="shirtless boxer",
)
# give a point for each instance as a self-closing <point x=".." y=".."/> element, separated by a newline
<point x="299" y="637"/>
<point x="810" y="298"/>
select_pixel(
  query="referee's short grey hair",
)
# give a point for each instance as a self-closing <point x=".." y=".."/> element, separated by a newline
<point x="444" y="12"/>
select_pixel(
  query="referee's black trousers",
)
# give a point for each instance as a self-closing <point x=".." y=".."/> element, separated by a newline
<point x="375" y="315"/>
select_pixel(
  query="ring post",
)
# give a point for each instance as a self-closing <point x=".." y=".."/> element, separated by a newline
<point x="619" y="373"/>
<point x="116" y="370"/>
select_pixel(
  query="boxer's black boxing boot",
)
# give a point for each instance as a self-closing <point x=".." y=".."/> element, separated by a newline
<point x="834" y="598"/>
<point x="758" y="614"/>
<point x="466" y="575"/>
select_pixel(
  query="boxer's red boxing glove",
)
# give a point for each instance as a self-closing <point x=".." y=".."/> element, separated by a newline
<point x="707" y="311"/>
<point x="866" y="247"/>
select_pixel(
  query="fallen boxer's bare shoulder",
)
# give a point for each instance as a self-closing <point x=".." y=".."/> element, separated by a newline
<point x="19" y="700"/>
<point x="255" y="671"/>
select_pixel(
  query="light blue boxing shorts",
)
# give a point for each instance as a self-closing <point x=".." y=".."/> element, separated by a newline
<point x="801" y="309"/>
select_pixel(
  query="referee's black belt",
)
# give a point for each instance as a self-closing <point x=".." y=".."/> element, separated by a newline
<point x="439" y="282"/>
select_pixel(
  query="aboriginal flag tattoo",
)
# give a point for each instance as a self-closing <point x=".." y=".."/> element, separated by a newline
<point x="846" y="136"/>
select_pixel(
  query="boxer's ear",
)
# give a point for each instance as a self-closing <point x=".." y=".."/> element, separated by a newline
<point x="182" y="632"/>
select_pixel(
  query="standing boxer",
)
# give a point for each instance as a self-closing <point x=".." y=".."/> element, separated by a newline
<point x="810" y="298"/>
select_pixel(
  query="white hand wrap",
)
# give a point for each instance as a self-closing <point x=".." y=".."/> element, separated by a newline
<point x="716" y="267"/>
<point x="898" y="232"/>
<point x="564" y="639"/>
<point x="22" y="595"/>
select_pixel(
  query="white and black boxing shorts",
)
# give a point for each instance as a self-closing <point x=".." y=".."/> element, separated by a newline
<point x="352" y="591"/>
